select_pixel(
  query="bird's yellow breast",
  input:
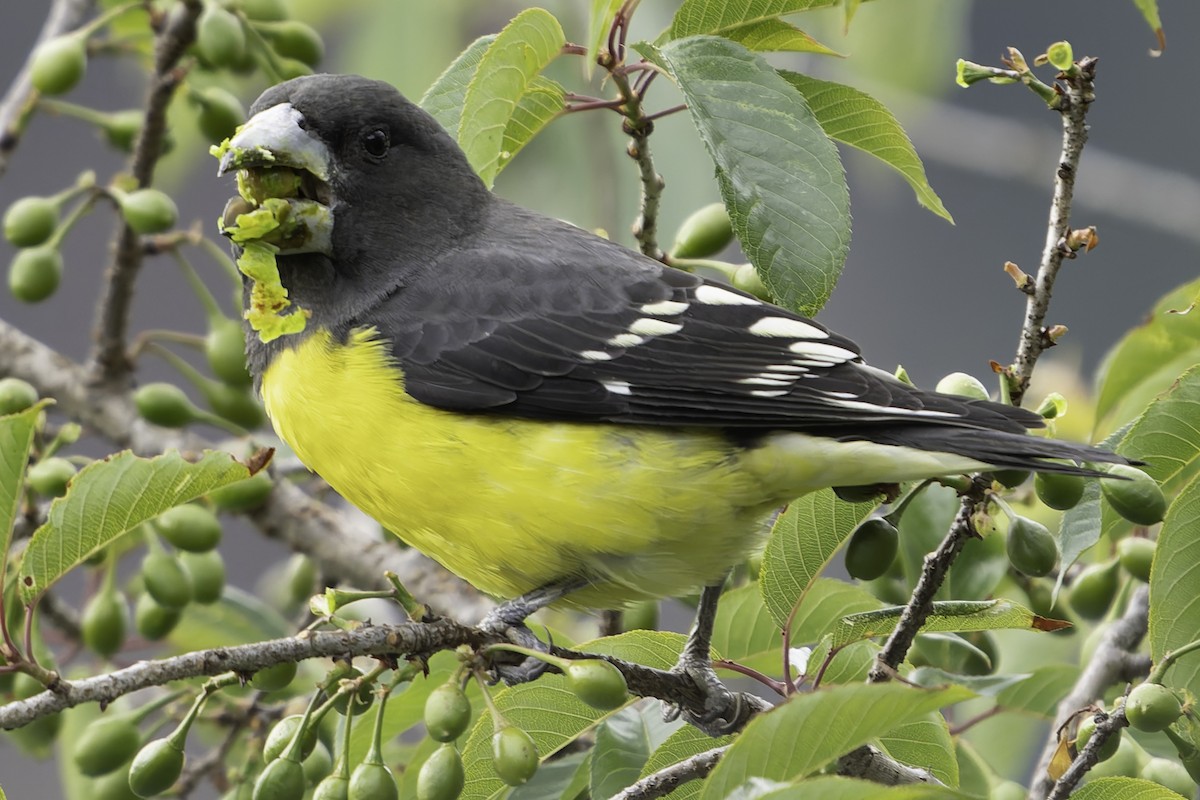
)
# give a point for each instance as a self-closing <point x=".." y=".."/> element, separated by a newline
<point x="512" y="504"/>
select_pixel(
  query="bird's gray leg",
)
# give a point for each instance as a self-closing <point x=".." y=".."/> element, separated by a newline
<point x="508" y="620"/>
<point x="722" y="708"/>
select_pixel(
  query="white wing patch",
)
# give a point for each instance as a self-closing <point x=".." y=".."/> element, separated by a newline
<point x="711" y="295"/>
<point x="596" y="355"/>
<point x="786" y="328"/>
<point x="914" y="412"/>
<point x="666" y="308"/>
<point x="626" y="340"/>
<point x="646" y="326"/>
<point x="617" y="387"/>
<point x="823" y="352"/>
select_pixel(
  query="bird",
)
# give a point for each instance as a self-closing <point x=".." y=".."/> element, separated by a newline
<point x="550" y="415"/>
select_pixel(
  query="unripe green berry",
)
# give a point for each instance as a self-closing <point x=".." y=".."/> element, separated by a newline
<point x="641" y="616"/>
<point x="1008" y="790"/>
<point x="447" y="712"/>
<point x="105" y="745"/>
<point x="220" y="36"/>
<point x="155" y="768"/>
<point x="104" y="622"/>
<point x="281" y="735"/>
<point x="332" y="787"/>
<point x="58" y="64"/>
<point x="514" y="755"/>
<point x="164" y="404"/>
<point x="121" y="128"/>
<point x="281" y="779"/>
<point x="597" y="683"/>
<point x="372" y="781"/>
<point x="208" y="575"/>
<point x="189" y="527"/>
<point x="1031" y="548"/>
<point x="1136" y="555"/>
<point x="166" y="580"/>
<point x="30" y="221"/>
<point x="1011" y="478"/>
<point x="113" y="786"/>
<point x="960" y="384"/>
<point x="705" y="233"/>
<point x="1087" y="727"/>
<point x="1169" y="773"/>
<point x="872" y="549"/>
<point x="34" y="273"/>
<point x="274" y="678"/>
<point x="149" y="211"/>
<point x="16" y="395"/>
<point x="1058" y="491"/>
<point x="354" y="702"/>
<point x="301" y="577"/>
<point x="441" y="776"/>
<point x="225" y="349"/>
<point x="50" y="476"/>
<point x="746" y="278"/>
<point x="245" y="495"/>
<point x="220" y="113"/>
<point x="299" y="41"/>
<point x="1093" y="590"/>
<point x="234" y="404"/>
<point x="264" y="10"/>
<point x="318" y="764"/>
<point x="1152" y="707"/>
<point x="152" y="620"/>
<point x="1138" y="499"/>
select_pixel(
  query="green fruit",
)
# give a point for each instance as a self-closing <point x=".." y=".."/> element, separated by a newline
<point x="50" y="476"/>
<point x="1093" y="590"/>
<point x="189" y="527"/>
<point x="872" y="549"/>
<point x="441" y="776"/>
<point x="332" y="787"/>
<point x="58" y="64"/>
<point x="121" y="129"/>
<point x="858" y="494"/>
<point x="297" y="40"/>
<point x="37" y="737"/>
<point x="104" y="621"/>
<point x="514" y="755"/>
<point x="281" y="779"/>
<point x="1011" y="478"/>
<point x="220" y="36"/>
<point x="166" y="580"/>
<point x="355" y="702"/>
<point x="1136" y="555"/>
<point x="220" y="113"/>
<point x="208" y="575"/>
<point x="705" y="233"/>
<point x="34" y="273"/>
<point x="1138" y="499"/>
<point x="1058" y="491"/>
<point x="106" y="745"/>
<point x="153" y="621"/>
<point x="1008" y="790"/>
<point x="281" y="735"/>
<point x="225" y="349"/>
<point x="234" y="404"/>
<point x="30" y="221"/>
<point x="245" y="495"/>
<point x="274" y="678"/>
<point x="375" y="782"/>
<point x="641" y="616"/>
<point x="318" y="764"/>
<point x="155" y="768"/>
<point x="447" y="712"/>
<point x="1084" y="732"/>
<point x="1170" y="774"/>
<point x="16" y="395"/>
<point x="113" y="786"/>
<point x="960" y="384"/>
<point x="264" y="10"/>
<point x="1152" y="707"/>
<point x="149" y="211"/>
<point x="164" y="404"/>
<point x="597" y="683"/>
<point x="301" y="577"/>
<point x="746" y="278"/>
<point x="1031" y="547"/>
<point x="1124" y="764"/>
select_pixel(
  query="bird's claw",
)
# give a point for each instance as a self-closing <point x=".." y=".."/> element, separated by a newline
<point x="506" y="665"/>
<point x="723" y="710"/>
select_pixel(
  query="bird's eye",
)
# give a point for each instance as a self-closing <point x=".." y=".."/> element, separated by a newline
<point x="376" y="143"/>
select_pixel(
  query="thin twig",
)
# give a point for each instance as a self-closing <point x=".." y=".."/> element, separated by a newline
<point x="15" y="108"/>
<point x="109" y="362"/>
<point x="1111" y="664"/>
<point x="1089" y="756"/>
<point x="1079" y="94"/>
<point x="667" y="780"/>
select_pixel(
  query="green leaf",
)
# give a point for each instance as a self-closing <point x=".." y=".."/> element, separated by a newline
<point x="925" y="743"/>
<point x="16" y="440"/>
<point x="236" y="618"/>
<point x="655" y="649"/>
<point x="1041" y="692"/>
<point x="956" y="616"/>
<point x="835" y="787"/>
<point x="1081" y="526"/>
<point x="983" y="685"/>
<point x="1149" y="9"/>
<point x="827" y="603"/>
<point x="561" y="779"/>
<point x="109" y="498"/>
<point x="744" y="628"/>
<point x="812" y="730"/>
<point x="624" y="743"/>
<point x="1175" y="588"/>
<point x="855" y="118"/>
<point x="542" y="102"/>
<point x="505" y="71"/>
<point x="444" y="98"/>
<point x="684" y="743"/>
<point x="848" y="665"/>
<point x="975" y="775"/>
<point x="775" y="35"/>
<point x="1123" y="789"/>
<point x="1149" y="357"/>
<point x="600" y="21"/>
<point x="802" y="541"/>
<point x="728" y="17"/>
<point x="781" y="177"/>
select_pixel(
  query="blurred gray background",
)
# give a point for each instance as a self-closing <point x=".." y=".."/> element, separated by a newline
<point x="916" y="290"/>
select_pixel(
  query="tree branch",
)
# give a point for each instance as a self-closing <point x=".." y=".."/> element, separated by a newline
<point x="15" y="108"/>
<point x="667" y="780"/>
<point x="109" y="362"/>
<point x="1111" y="664"/>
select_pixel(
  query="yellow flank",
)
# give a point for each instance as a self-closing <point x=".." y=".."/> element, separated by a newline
<point x="511" y="505"/>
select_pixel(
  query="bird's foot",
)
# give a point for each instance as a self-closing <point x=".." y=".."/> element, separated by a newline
<point x="507" y="621"/>
<point x="724" y="711"/>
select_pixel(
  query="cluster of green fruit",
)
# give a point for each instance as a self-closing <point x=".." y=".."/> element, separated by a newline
<point x="514" y="753"/>
<point x="704" y="234"/>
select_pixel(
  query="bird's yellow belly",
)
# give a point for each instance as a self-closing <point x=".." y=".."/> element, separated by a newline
<point x="509" y="504"/>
